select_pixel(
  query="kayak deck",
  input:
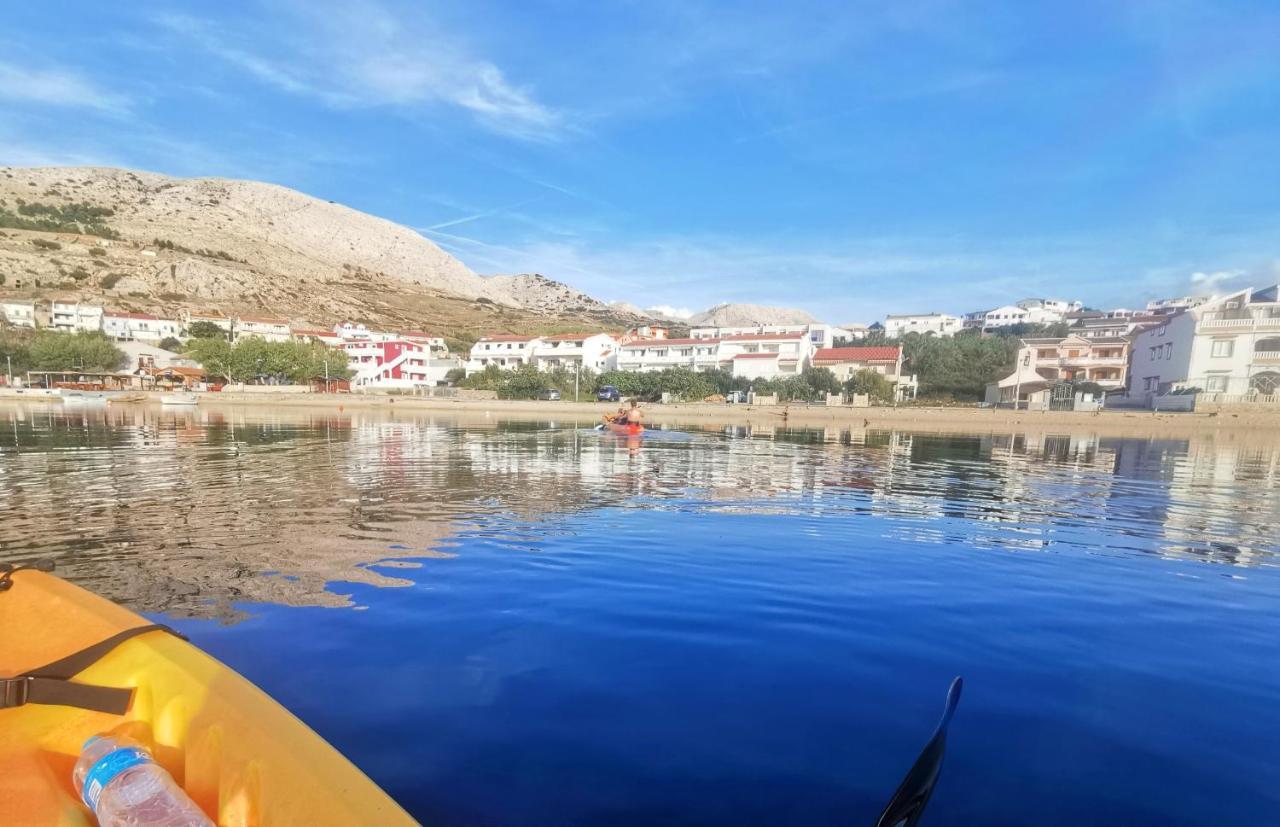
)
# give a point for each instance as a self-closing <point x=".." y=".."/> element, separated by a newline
<point x="241" y="756"/>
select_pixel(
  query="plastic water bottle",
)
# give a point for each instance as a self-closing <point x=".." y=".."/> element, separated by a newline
<point x="124" y="787"/>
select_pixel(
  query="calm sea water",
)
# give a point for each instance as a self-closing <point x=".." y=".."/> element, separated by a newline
<point x="525" y="623"/>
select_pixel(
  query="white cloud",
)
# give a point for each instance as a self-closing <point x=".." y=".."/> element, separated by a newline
<point x="55" y="87"/>
<point x="1212" y="281"/>
<point x="361" y="55"/>
<point x="670" y="312"/>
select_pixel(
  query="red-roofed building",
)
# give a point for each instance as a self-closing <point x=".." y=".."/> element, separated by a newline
<point x="885" y="360"/>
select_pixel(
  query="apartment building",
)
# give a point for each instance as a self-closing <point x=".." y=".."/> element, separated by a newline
<point x="926" y="324"/>
<point x="819" y="334"/>
<point x="138" y="327"/>
<point x="1103" y="361"/>
<point x="270" y="328"/>
<point x="1227" y="345"/>
<point x="885" y="360"/>
<point x="594" y="351"/>
<point x="223" y="323"/>
<point x="19" y="313"/>
<point x="73" y="317"/>
<point x="505" y="351"/>
<point x="752" y="355"/>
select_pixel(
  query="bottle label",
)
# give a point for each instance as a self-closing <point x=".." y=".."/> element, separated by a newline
<point x="107" y="768"/>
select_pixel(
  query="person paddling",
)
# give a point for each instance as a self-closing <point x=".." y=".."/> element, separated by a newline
<point x="634" y="416"/>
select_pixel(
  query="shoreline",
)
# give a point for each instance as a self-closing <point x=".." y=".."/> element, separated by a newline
<point x="936" y="419"/>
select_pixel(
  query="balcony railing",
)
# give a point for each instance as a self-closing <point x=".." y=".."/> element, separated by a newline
<point x="1267" y="323"/>
<point x="1266" y="356"/>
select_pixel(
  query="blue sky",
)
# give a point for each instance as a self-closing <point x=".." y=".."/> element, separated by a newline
<point x="849" y="158"/>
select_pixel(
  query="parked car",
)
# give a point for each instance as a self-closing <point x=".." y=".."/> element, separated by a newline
<point x="608" y="394"/>
<point x="550" y="395"/>
<point x="735" y="397"/>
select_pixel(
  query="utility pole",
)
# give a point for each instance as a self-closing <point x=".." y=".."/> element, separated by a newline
<point x="577" y="372"/>
<point x="8" y="358"/>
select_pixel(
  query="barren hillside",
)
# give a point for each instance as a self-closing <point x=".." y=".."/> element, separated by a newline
<point x="149" y="242"/>
<point x="744" y="315"/>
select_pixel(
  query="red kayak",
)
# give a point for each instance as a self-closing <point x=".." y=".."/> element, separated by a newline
<point x="631" y="428"/>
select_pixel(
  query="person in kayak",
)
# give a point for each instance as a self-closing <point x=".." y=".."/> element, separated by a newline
<point x="616" y="419"/>
<point x="634" y="416"/>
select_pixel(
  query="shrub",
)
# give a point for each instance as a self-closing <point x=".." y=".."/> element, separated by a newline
<point x="170" y="343"/>
<point x="46" y="244"/>
<point x="97" y="251"/>
<point x="110" y="280"/>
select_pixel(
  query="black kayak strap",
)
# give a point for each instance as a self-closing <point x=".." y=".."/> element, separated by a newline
<point x="51" y="684"/>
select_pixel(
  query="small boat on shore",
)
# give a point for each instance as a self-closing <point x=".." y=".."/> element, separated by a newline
<point x="179" y="399"/>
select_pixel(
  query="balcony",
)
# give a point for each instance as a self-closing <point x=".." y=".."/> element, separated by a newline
<point x="1238" y="325"/>
<point x="1266" y="357"/>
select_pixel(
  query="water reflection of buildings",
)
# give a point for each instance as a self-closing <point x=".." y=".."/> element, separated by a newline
<point x="189" y="512"/>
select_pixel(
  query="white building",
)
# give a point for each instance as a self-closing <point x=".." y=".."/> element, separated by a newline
<point x="262" y="327"/>
<point x="141" y="327"/>
<point x="595" y="351"/>
<point x="753" y="355"/>
<point x="434" y="341"/>
<point x="75" y="317"/>
<point x="1228" y="345"/>
<point x="660" y="354"/>
<point x="322" y="335"/>
<point x="1010" y="315"/>
<point x="19" y="313"/>
<point x="221" y="322"/>
<point x="1057" y="306"/>
<point x="926" y="324"/>
<point x="505" y="351"/>
<point x="1168" y="306"/>
<point x="819" y="334"/>
<point x="1109" y="327"/>
<point x="885" y="360"/>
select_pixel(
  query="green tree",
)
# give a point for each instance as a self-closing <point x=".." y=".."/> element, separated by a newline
<point x="206" y="330"/>
<point x="871" y="383"/>
<point x="170" y="343"/>
<point x="214" y="355"/>
<point x="75" y="351"/>
<point x="455" y="376"/>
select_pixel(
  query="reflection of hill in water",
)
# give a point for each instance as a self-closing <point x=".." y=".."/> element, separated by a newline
<point x="187" y="513"/>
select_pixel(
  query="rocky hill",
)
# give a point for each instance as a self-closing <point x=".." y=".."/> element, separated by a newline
<point x="148" y="242"/>
<point x="745" y="315"/>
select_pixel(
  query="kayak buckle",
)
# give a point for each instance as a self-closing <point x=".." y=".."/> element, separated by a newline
<point x="15" y="691"/>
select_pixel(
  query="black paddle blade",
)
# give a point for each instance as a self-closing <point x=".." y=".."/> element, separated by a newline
<point x="907" y="804"/>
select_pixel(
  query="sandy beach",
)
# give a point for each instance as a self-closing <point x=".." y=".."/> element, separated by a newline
<point x="917" y="418"/>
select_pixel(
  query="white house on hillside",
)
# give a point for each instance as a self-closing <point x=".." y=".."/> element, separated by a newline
<point x="1010" y="315"/>
<point x="1103" y="361"/>
<point x="19" y="313"/>
<point x="141" y="327"/>
<point x="1228" y="345"/>
<point x="75" y="317"/>
<point x="219" y="321"/>
<point x="926" y="324"/>
<point x="659" y="354"/>
<point x="262" y="327"/>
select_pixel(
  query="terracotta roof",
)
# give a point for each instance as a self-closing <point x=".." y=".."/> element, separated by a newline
<point x="871" y="353"/>
<point x="262" y="320"/>
<point x="180" y="371"/>
<point x="756" y="356"/>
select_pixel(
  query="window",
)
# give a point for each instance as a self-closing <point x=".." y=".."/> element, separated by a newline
<point x="1155" y="353"/>
<point x="1223" y="347"/>
<point x="1168" y="350"/>
<point x="1216" y="384"/>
